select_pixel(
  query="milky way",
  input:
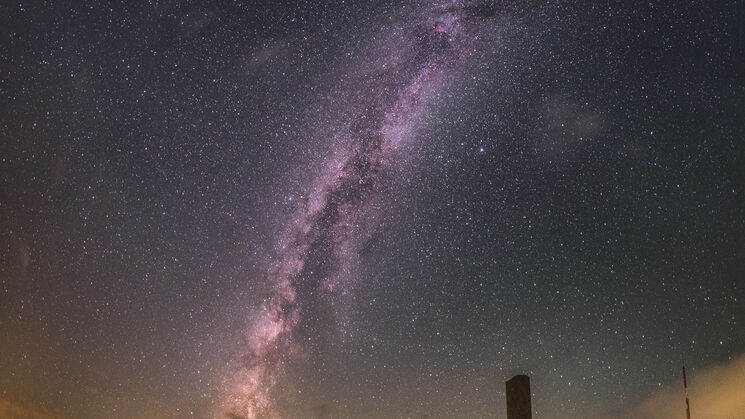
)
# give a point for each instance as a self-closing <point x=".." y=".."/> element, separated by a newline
<point x="325" y="230"/>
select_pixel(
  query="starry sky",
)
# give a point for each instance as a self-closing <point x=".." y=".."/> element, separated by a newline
<point x="362" y="209"/>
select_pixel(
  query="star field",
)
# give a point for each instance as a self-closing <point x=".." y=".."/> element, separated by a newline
<point x="367" y="209"/>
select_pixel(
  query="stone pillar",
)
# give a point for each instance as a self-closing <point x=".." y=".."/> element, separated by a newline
<point x="518" y="398"/>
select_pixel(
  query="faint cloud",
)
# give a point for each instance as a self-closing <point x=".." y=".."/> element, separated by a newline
<point x="198" y="20"/>
<point x="321" y="411"/>
<point x="15" y="410"/>
<point x="565" y="125"/>
<point x="262" y="56"/>
<point x="714" y="393"/>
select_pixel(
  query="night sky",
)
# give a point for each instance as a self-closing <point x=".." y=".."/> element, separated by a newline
<point x="368" y="209"/>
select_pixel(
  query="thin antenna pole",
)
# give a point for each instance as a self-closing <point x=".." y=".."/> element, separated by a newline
<point x="685" y="387"/>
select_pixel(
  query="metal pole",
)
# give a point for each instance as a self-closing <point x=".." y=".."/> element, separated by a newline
<point x="685" y="387"/>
